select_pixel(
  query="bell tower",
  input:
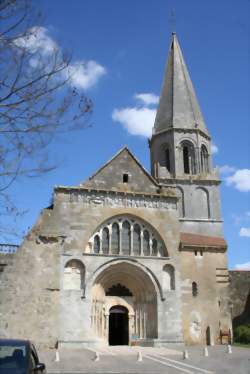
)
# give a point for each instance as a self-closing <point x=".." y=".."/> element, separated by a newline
<point x="181" y="149"/>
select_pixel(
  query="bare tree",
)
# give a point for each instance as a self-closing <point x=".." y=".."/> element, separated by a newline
<point x="36" y="98"/>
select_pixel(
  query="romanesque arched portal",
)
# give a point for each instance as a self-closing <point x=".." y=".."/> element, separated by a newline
<point x="124" y="286"/>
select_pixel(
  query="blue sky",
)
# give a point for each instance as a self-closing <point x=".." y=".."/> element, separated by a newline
<point x="127" y="42"/>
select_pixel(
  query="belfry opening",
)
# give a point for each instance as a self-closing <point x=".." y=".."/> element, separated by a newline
<point x="124" y="305"/>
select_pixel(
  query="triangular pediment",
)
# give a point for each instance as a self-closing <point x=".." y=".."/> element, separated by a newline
<point x="122" y="173"/>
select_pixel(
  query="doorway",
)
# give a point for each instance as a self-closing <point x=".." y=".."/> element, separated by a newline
<point x="208" y="336"/>
<point x="118" y="325"/>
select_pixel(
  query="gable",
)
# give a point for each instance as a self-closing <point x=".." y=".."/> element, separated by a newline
<point x="123" y="166"/>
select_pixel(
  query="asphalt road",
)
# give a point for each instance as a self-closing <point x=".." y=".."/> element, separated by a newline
<point x="124" y="360"/>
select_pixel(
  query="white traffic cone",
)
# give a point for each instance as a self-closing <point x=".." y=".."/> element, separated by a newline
<point x="205" y="352"/>
<point x="97" y="356"/>
<point x="57" y="359"/>
<point x="139" y="357"/>
<point x="185" y="354"/>
<point x="229" y="349"/>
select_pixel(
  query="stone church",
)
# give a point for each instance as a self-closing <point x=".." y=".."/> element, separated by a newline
<point x="130" y="257"/>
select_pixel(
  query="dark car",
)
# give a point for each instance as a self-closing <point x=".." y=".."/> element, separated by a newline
<point x="19" y="357"/>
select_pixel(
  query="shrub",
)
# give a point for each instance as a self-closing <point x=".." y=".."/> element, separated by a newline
<point x="242" y="334"/>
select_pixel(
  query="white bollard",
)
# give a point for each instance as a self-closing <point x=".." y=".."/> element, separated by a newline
<point x="57" y="356"/>
<point x="97" y="356"/>
<point x="185" y="355"/>
<point x="229" y="349"/>
<point x="139" y="357"/>
<point x="205" y="352"/>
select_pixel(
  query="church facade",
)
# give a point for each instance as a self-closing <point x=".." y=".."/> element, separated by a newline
<point x="128" y="257"/>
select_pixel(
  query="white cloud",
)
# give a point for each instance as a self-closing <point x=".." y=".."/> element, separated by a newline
<point x="214" y="149"/>
<point x="38" y="39"/>
<point x="147" y="98"/>
<point x="240" y="180"/>
<point x="226" y="169"/>
<point x="245" y="266"/>
<point x="85" y="74"/>
<point x="81" y="74"/>
<point x="245" y="231"/>
<point x="137" y="121"/>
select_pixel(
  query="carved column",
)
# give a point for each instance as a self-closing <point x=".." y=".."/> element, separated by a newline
<point x="141" y="254"/>
<point x="132" y="240"/>
<point x="110" y="239"/>
<point x="120" y="238"/>
<point x="101" y="251"/>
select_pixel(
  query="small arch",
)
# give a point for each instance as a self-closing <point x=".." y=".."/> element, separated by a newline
<point x="96" y="244"/>
<point x="137" y="240"/>
<point x="204" y="159"/>
<point x="168" y="277"/>
<point x="194" y="289"/>
<point x="126" y="235"/>
<point x="146" y="243"/>
<point x="115" y="239"/>
<point x="165" y="157"/>
<point x="181" y="201"/>
<point x="74" y="275"/>
<point x="203" y="208"/>
<point x="188" y="155"/>
<point x="105" y="240"/>
<point x="154" y="247"/>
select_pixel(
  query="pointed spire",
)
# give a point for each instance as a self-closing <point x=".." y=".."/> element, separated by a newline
<point x="178" y="107"/>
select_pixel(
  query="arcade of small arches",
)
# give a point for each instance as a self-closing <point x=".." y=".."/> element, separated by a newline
<point x="193" y="161"/>
<point x="127" y="237"/>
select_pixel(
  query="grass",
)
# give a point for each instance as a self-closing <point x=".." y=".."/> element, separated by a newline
<point x="242" y="345"/>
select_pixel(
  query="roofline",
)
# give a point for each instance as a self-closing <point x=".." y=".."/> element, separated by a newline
<point x="134" y="158"/>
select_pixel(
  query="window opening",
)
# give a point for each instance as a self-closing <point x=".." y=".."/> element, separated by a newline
<point x="186" y="160"/>
<point x="96" y="244"/>
<point x="125" y="178"/>
<point x="137" y="240"/>
<point x="146" y="245"/>
<point x="167" y="156"/>
<point x="126" y="238"/>
<point x="115" y="239"/>
<point x="194" y="289"/>
<point x="105" y="240"/>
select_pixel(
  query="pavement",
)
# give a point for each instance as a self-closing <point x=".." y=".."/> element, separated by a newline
<point x="147" y="360"/>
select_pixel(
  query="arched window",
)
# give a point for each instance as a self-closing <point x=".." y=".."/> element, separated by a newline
<point x="96" y="244"/>
<point x="188" y="153"/>
<point x="194" y="289"/>
<point x="181" y="201"/>
<point x="204" y="160"/>
<point x="167" y="159"/>
<point x="115" y="238"/>
<point x="154" y="248"/>
<point x="126" y="238"/>
<point x="146" y="244"/>
<point x="203" y="208"/>
<point x="74" y="275"/>
<point x="105" y="240"/>
<point x="137" y="240"/>
<point x="168" y="277"/>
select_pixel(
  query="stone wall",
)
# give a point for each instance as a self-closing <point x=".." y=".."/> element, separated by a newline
<point x="240" y="296"/>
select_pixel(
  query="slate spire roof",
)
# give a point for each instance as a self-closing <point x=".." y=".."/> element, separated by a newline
<point x="178" y="106"/>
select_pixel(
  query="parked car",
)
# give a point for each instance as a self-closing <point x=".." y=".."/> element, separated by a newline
<point x="19" y="357"/>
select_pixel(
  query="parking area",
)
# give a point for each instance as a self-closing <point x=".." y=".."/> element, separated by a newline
<point x="145" y="360"/>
